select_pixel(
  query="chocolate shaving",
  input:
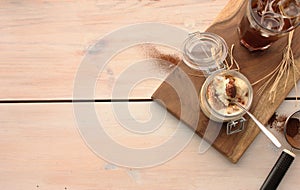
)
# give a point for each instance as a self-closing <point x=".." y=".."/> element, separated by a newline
<point x="230" y="90"/>
<point x="272" y="119"/>
<point x="230" y="87"/>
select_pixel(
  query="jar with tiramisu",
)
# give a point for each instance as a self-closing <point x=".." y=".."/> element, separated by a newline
<point x="219" y="95"/>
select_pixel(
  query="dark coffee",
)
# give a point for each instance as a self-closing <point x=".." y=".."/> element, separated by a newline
<point x="252" y="38"/>
<point x="266" y="21"/>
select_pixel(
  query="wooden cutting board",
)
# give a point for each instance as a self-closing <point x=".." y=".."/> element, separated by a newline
<point x="253" y="65"/>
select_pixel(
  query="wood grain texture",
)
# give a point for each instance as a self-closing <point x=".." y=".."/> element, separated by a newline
<point x="41" y="46"/>
<point x="40" y="148"/>
<point x="253" y="65"/>
<point x="43" y="42"/>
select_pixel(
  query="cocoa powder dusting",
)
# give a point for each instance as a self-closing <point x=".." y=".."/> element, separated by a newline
<point x="277" y="122"/>
<point x="168" y="60"/>
<point x="293" y="127"/>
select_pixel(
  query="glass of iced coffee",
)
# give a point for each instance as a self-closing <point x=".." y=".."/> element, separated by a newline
<point x="265" y="21"/>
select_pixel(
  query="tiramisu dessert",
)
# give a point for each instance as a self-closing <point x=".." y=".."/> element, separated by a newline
<point x="223" y="90"/>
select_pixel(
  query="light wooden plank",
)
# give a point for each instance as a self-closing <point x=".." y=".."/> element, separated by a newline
<point x="42" y="149"/>
<point x="43" y="43"/>
<point x="295" y="92"/>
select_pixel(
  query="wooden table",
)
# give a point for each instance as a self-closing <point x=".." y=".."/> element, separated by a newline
<point x="42" y="44"/>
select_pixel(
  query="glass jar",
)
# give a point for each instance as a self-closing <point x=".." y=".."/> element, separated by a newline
<point x="217" y="94"/>
<point x="205" y="51"/>
<point x="267" y="21"/>
<point x="230" y="112"/>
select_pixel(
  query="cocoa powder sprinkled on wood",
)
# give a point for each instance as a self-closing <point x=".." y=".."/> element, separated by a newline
<point x="167" y="60"/>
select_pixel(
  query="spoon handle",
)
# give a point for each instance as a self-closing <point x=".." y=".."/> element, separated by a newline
<point x="262" y="127"/>
<point x="265" y="131"/>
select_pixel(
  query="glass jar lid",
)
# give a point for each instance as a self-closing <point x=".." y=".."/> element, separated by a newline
<point x="205" y="51"/>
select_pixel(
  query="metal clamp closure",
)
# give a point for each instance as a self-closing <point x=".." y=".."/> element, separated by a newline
<point x="235" y="126"/>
